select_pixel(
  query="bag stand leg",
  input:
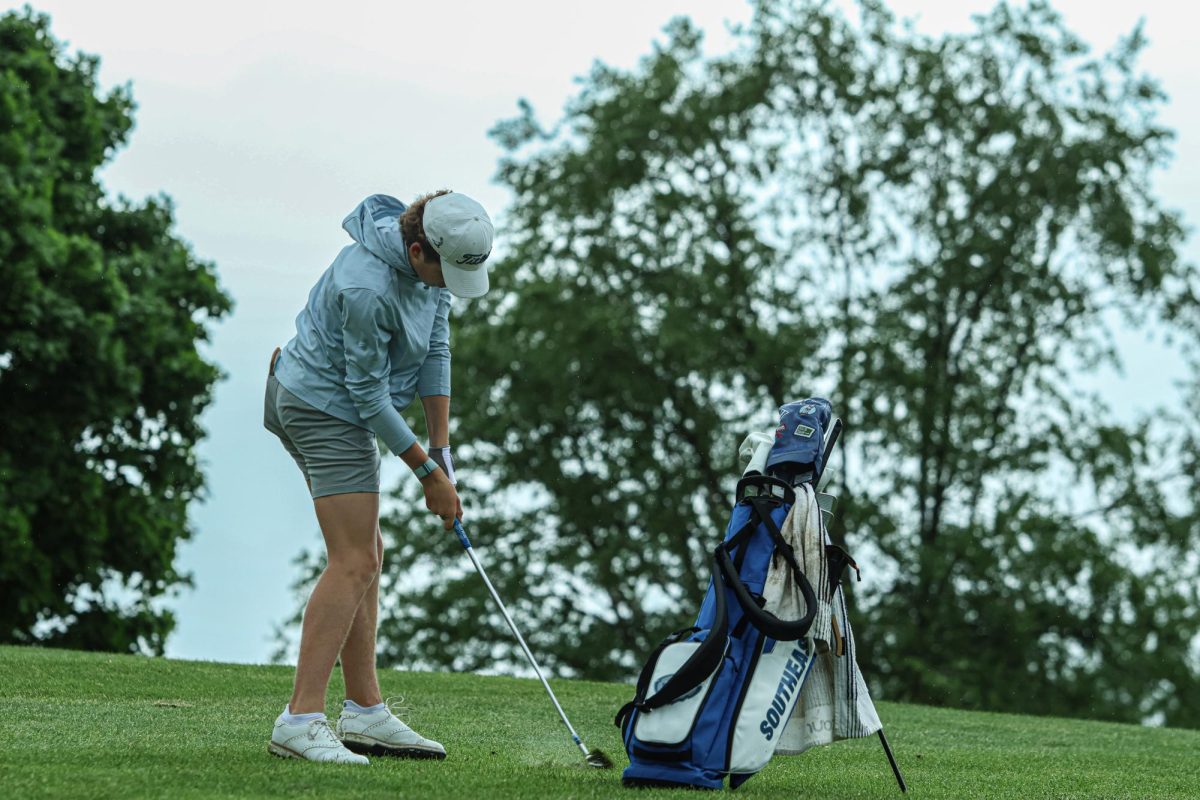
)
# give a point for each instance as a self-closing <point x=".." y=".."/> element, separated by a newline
<point x="892" y="760"/>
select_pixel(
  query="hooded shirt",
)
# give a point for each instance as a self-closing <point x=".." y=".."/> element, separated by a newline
<point x="372" y="333"/>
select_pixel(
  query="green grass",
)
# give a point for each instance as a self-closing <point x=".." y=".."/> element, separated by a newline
<point x="96" y="725"/>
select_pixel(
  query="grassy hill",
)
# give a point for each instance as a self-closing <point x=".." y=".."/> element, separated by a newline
<point x="96" y="725"/>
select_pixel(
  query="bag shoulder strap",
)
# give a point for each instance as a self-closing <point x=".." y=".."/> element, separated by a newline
<point x="647" y="672"/>
<point x="702" y="663"/>
<point x="765" y="621"/>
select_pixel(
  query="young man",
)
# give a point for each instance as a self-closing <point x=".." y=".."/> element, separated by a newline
<point x="375" y="331"/>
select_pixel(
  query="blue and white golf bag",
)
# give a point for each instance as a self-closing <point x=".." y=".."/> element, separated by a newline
<point x="712" y="699"/>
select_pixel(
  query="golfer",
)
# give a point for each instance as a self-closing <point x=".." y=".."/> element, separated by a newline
<point x="374" y="332"/>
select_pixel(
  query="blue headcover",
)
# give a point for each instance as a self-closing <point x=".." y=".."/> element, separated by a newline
<point x="800" y="437"/>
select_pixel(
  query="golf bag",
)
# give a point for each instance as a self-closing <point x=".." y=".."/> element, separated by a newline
<point x="713" y="698"/>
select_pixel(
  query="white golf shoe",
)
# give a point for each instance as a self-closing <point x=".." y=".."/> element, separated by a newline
<point x="381" y="733"/>
<point x="312" y="741"/>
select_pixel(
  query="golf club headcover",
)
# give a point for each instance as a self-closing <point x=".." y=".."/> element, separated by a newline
<point x="799" y="440"/>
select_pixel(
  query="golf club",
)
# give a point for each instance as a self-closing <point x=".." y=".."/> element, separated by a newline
<point x="834" y="432"/>
<point x="595" y="758"/>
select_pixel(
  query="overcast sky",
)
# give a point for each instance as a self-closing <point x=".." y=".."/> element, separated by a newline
<point x="267" y="122"/>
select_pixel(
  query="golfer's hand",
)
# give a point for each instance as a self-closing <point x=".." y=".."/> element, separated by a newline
<point x="441" y="498"/>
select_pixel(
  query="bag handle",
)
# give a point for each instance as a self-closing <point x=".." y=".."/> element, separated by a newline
<point x="765" y="621"/>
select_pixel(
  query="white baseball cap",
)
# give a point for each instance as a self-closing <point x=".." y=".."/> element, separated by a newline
<point x="461" y="232"/>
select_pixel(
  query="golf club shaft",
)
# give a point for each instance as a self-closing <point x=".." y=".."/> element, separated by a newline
<point x="520" y="639"/>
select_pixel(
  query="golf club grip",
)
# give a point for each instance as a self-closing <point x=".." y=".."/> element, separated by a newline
<point x="521" y="641"/>
<point x="835" y="431"/>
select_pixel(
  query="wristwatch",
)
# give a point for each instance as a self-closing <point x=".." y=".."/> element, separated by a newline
<point x="425" y="469"/>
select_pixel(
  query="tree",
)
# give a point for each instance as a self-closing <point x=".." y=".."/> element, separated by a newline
<point x="101" y="384"/>
<point x="936" y="234"/>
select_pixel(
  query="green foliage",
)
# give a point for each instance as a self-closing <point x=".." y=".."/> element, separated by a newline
<point x="101" y="385"/>
<point x="938" y="234"/>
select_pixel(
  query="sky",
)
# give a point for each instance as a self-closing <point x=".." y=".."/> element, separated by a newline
<point x="267" y="122"/>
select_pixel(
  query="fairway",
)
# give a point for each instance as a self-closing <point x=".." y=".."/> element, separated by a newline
<point x="98" y="725"/>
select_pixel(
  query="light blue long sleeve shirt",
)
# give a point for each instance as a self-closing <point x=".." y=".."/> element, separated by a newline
<point x="372" y="334"/>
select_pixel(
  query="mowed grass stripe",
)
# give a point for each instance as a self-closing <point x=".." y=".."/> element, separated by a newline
<point x="88" y="725"/>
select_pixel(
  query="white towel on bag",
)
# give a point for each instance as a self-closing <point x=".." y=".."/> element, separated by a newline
<point x="834" y="703"/>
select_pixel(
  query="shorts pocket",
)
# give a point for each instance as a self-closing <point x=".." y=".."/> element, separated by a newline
<point x="270" y="411"/>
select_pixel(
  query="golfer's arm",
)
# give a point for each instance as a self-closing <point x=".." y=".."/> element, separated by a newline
<point x="437" y="419"/>
<point x="367" y="367"/>
<point x="414" y="456"/>
<point x="433" y="380"/>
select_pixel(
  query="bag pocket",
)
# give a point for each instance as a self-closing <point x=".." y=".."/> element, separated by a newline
<point x="673" y="723"/>
<point x="768" y="702"/>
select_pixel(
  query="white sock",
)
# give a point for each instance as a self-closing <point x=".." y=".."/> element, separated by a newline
<point x="350" y="705"/>
<point x="296" y="719"/>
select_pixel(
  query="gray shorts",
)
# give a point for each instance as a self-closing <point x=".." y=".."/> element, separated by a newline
<point x="335" y="456"/>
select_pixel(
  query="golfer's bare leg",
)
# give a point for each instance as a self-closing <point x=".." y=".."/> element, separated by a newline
<point x="358" y="653"/>
<point x="349" y="525"/>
